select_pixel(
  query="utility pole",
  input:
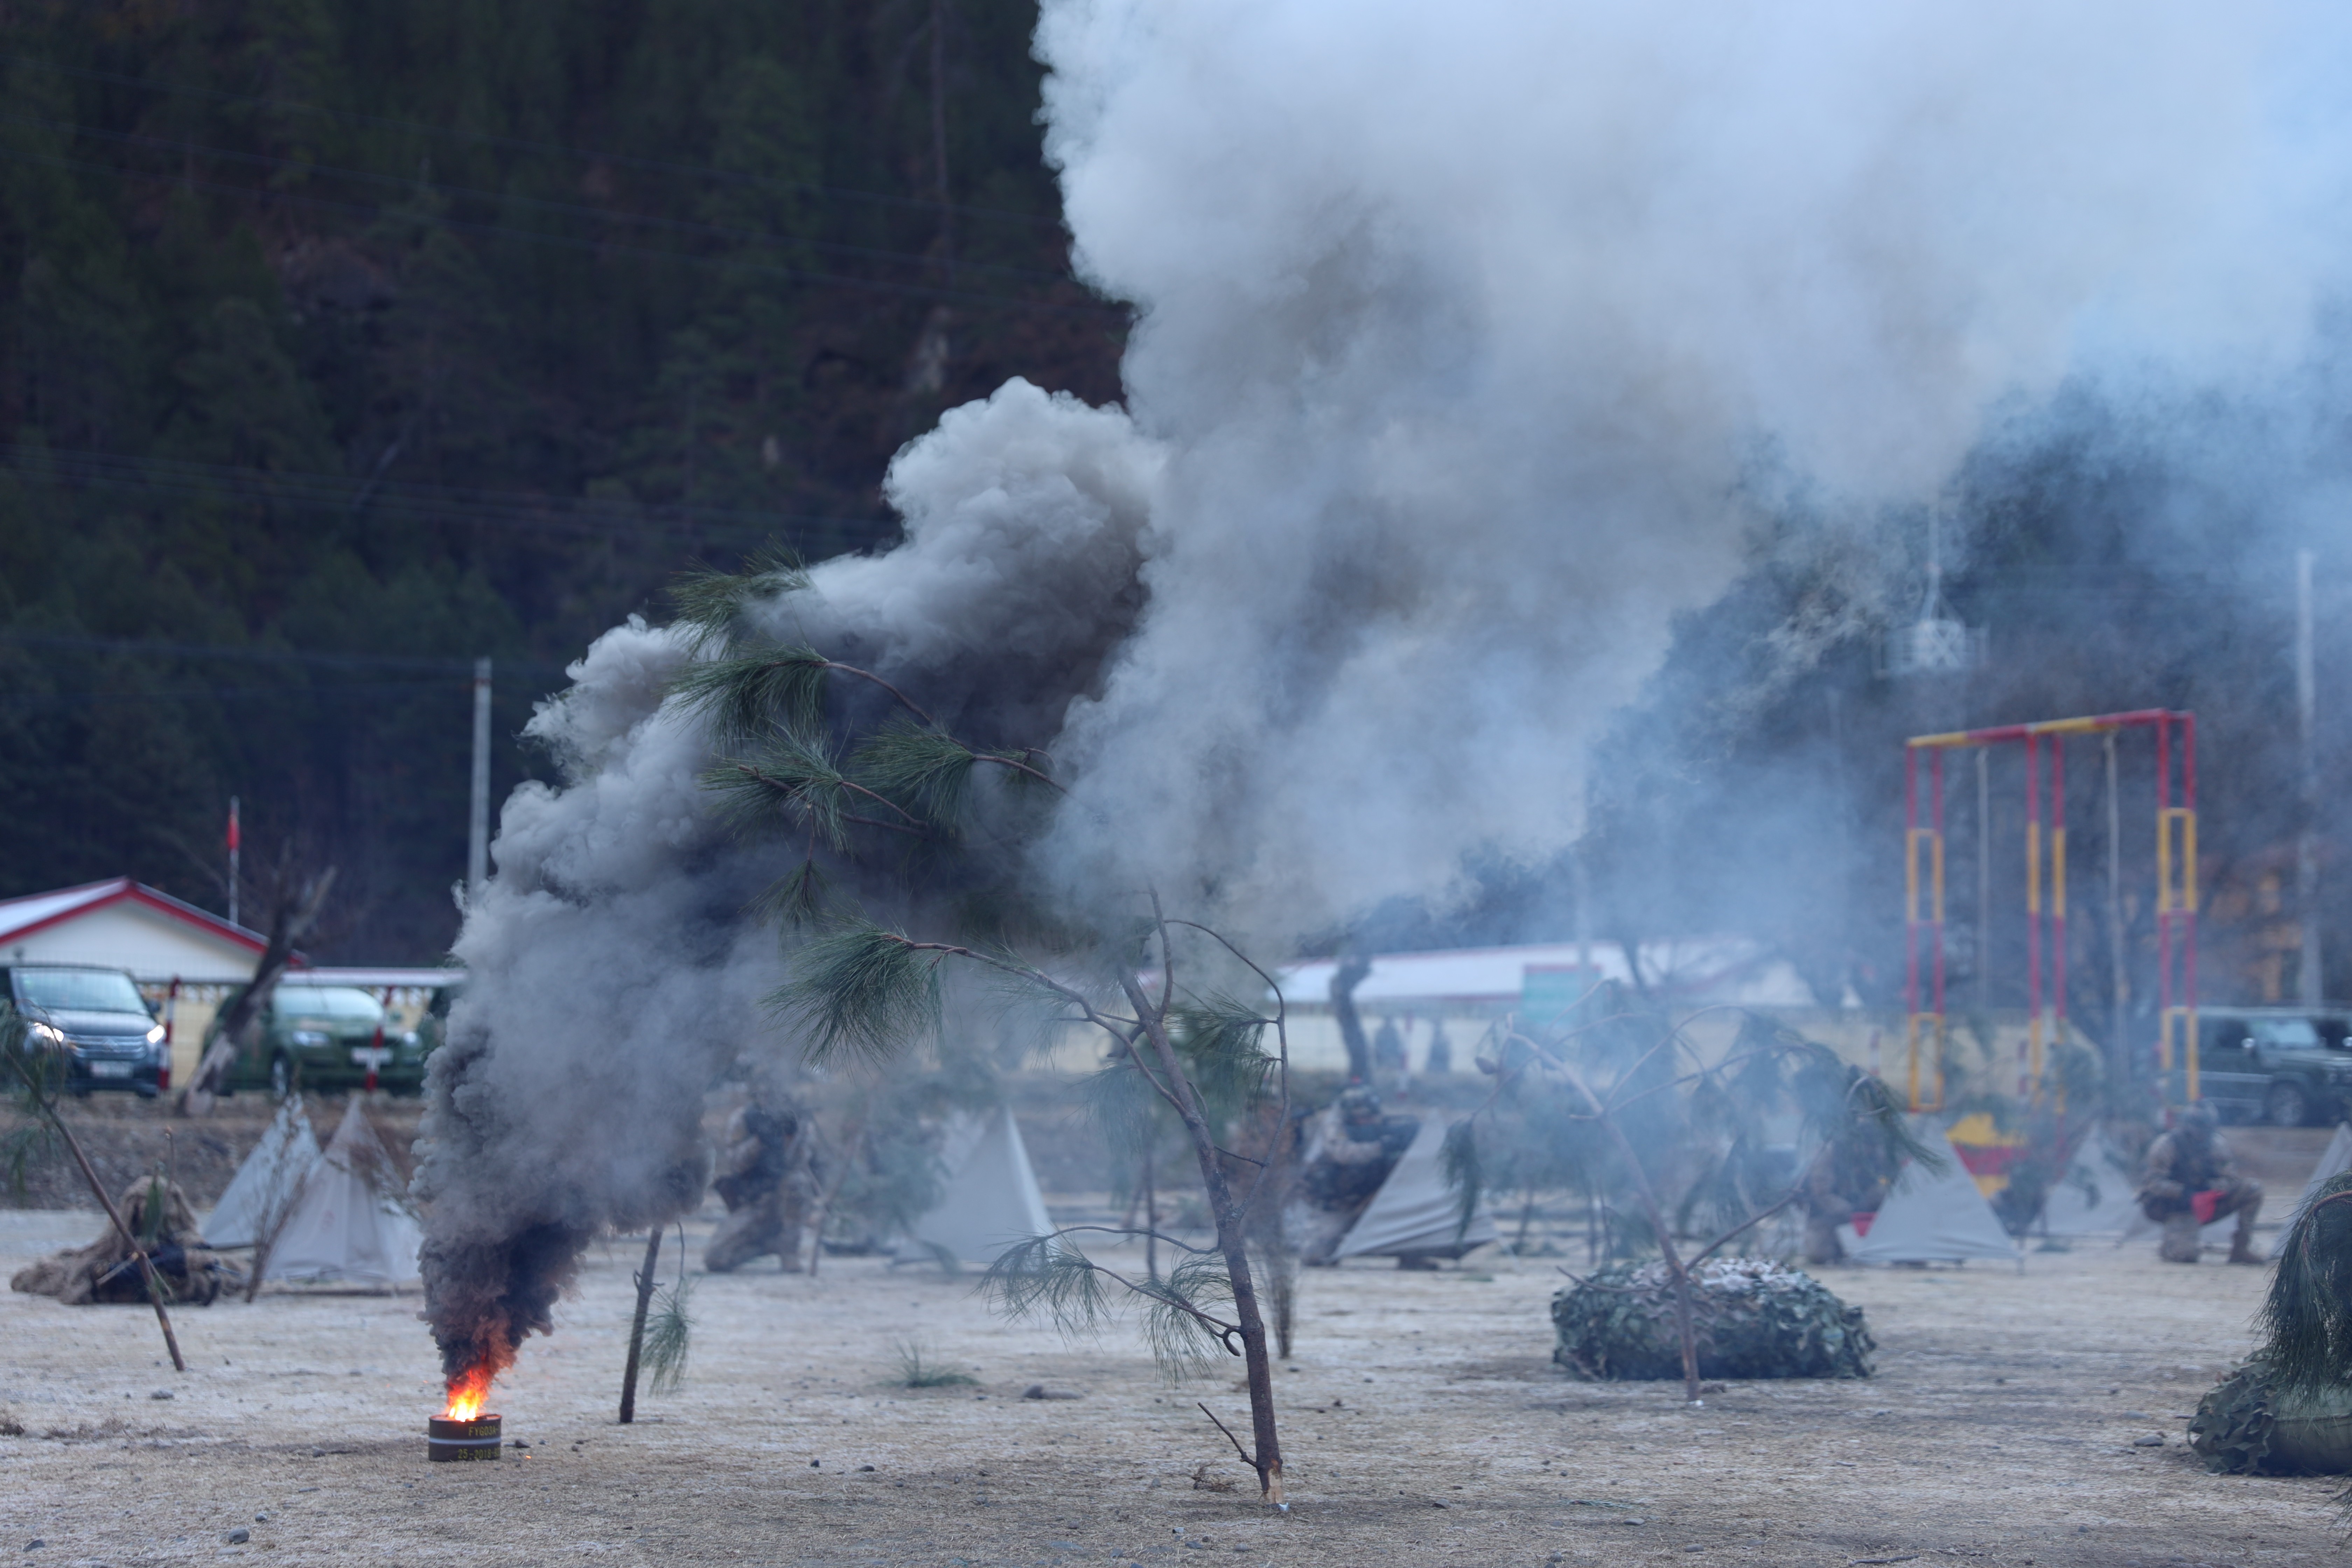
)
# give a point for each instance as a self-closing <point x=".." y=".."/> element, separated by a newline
<point x="478" y="836"/>
<point x="2118" y="976"/>
<point x="1583" y="914"/>
<point x="1984" y="881"/>
<point x="2306" y="848"/>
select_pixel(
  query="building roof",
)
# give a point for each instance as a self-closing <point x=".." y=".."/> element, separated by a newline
<point x="376" y="979"/>
<point x="21" y="918"/>
<point x="1730" y="969"/>
<point x="122" y="924"/>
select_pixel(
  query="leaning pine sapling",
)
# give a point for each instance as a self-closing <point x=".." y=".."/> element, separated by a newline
<point x="851" y="792"/>
<point x="670" y="1334"/>
<point x="862" y="987"/>
<point x="36" y="1076"/>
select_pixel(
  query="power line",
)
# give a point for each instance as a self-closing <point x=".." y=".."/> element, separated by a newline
<point x="161" y="649"/>
<point x="657" y="166"/>
<point x="406" y="501"/>
<point x="198" y="693"/>
<point x="505" y="198"/>
<point x="599" y="247"/>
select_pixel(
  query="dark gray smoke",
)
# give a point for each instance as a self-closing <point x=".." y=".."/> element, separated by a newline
<point x="1475" y="343"/>
<point x="614" y="971"/>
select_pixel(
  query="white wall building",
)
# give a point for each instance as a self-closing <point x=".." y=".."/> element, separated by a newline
<point x="185" y="960"/>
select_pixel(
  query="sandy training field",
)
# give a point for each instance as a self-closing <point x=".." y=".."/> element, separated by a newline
<point x="1425" y="1425"/>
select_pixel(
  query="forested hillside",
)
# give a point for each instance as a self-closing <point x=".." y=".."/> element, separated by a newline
<point x="344" y="340"/>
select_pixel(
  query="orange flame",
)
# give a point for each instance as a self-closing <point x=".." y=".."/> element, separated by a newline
<point x="468" y="1392"/>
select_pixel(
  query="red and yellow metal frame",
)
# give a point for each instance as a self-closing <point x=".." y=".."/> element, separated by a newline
<point x="2045" y="920"/>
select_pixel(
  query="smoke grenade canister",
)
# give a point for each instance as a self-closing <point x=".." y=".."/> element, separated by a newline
<point x="447" y="1440"/>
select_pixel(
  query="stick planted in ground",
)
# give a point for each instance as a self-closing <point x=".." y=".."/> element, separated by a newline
<point x="644" y="1279"/>
<point x="36" y="1074"/>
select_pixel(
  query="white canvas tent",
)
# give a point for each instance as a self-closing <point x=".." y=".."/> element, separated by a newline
<point x="1414" y="1212"/>
<point x="2095" y="1197"/>
<point x="349" y="1226"/>
<point x="2333" y="1160"/>
<point x="1933" y="1216"/>
<point x="266" y="1188"/>
<point x="991" y="1201"/>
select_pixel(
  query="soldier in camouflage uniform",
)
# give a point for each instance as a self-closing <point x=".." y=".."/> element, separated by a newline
<point x="2185" y="1164"/>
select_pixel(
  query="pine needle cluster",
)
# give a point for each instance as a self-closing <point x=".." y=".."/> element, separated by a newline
<point x="2306" y="1317"/>
<point x="670" y="1334"/>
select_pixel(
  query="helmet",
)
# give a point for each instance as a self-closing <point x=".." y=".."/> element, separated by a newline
<point x="1359" y="1104"/>
<point x="2198" y="1119"/>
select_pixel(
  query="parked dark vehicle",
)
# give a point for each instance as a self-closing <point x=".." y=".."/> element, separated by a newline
<point x="2280" y="1065"/>
<point x="96" y="1019"/>
<point x="324" y="1038"/>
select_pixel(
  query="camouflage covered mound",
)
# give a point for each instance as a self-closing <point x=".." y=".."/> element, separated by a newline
<point x="2247" y="1428"/>
<point x="1754" y="1318"/>
<point x="103" y="1271"/>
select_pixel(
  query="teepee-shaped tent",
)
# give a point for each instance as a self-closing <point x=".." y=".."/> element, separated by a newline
<point x="1935" y="1216"/>
<point x="991" y="1201"/>
<point x="268" y="1184"/>
<point x="2333" y="1160"/>
<point x="349" y="1225"/>
<point x="2094" y="1196"/>
<point x="1414" y="1212"/>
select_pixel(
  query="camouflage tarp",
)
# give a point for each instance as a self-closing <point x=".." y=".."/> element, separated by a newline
<point x="2244" y="1427"/>
<point x="1754" y="1318"/>
<point x="103" y="1272"/>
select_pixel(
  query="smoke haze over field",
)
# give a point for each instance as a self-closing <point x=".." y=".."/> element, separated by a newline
<point x="1475" y="340"/>
<point x="1473" y="346"/>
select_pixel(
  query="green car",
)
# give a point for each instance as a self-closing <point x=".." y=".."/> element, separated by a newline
<point x="324" y="1038"/>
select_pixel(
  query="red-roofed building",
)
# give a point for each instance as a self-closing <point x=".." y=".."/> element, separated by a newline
<point x="160" y="940"/>
<point x="124" y="924"/>
<point x="186" y="959"/>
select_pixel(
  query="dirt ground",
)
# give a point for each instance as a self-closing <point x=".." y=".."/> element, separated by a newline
<point x="1425" y="1424"/>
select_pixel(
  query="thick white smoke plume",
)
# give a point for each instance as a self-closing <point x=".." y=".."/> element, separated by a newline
<point x="1472" y="341"/>
<point x="1468" y="330"/>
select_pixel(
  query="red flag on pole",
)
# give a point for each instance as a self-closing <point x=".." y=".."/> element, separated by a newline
<point x="235" y="839"/>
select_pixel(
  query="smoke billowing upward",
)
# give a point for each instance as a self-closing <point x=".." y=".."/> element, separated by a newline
<point x="615" y="972"/>
<point x="1473" y="345"/>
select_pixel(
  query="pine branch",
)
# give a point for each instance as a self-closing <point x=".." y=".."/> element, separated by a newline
<point x="928" y="770"/>
<point x="1219" y="1037"/>
<point x="1039" y="1278"/>
<point x="2307" y="1319"/>
<point x="1181" y="1328"/>
<point x="668" y="1336"/>
<point x="747" y="694"/>
<point x="795" y="899"/>
<point x="865" y="989"/>
<point x="1043" y="1277"/>
<point x="711" y="602"/>
<point x="793" y="776"/>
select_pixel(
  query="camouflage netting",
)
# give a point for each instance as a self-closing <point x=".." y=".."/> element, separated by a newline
<point x="103" y="1271"/>
<point x="1754" y="1318"/>
<point x="2245" y="1427"/>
